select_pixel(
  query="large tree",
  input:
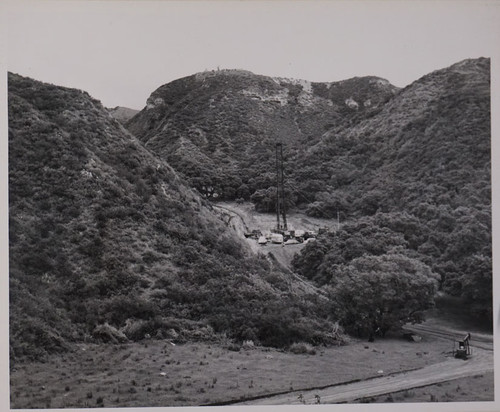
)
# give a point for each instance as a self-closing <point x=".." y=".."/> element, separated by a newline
<point x="373" y="294"/>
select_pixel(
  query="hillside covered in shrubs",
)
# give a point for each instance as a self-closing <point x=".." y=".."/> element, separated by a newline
<point x="108" y="244"/>
<point x="218" y="129"/>
<point x="113" y="236"/>
<point x="419" y="170"/>
<point x="413" y="161"/>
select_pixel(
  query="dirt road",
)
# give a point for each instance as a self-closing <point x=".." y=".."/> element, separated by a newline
<point x="450" y="369"/>
<point x="480" y="362"/>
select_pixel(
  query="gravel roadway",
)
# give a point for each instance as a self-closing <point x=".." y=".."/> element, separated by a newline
<point x="480" y="362"/>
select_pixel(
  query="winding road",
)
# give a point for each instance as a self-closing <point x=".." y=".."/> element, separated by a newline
<point x="480" y="362"/>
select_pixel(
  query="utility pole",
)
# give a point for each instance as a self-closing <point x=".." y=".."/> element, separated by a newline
<point x="280" y="189"/>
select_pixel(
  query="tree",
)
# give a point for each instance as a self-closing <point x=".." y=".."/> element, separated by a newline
<point x="370" y="202"/>
<point x="318" y="260"/>
<point x="476" y="282"/>
<point x="328" y="204"/>
<point x="373" y="294"/>
<point x="264" y="200"/>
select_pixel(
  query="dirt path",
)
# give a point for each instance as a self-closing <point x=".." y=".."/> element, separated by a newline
<point x="440" y="372"/>
<point x="478" y="340"/>
<point x="480" y="362"/>
<point x="236" y="220"/>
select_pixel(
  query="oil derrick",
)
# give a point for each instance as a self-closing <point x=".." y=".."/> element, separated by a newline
<point x="280" y="190"/>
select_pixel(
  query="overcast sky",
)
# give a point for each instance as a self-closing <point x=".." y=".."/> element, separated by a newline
<point x="120" y="51"/>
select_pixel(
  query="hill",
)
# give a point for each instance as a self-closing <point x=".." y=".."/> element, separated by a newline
<point x="422" y="167"/>
<point x="218" y="128"/>
<point x="414" y="161"/>
<point x="436" y="131"/>
<point x="122" y="114"/>
<point x="108" y="244"/>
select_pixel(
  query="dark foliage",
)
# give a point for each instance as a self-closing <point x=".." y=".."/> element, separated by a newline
<point x="374" y="294"/>
<point x="416" y="159"/>
<point x="105" y="236"/>
<point x="107" y="243"/>
<point x="218" y="129"/>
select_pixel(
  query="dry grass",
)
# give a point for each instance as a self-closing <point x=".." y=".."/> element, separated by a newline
<point x="158" y="374"/>
<point x="477" y="388"/>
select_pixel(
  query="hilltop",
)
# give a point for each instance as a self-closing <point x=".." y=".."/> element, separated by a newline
<point x="218" y="128"/>
<point x="122" y="114"/>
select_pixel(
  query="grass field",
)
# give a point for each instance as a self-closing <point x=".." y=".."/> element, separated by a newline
<point x="477" y="388"/>
<point x="159" y="374"/>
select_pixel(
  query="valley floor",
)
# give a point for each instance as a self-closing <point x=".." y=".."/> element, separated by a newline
<point x="477" y="366"/>
<point x="156" y="373"/>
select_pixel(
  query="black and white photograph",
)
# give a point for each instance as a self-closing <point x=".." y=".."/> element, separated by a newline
<point x="233" y="205"/>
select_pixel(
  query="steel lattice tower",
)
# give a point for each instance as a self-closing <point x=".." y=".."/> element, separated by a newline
<point x="280" y="189"/>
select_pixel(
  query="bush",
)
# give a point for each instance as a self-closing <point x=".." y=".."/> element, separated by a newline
<point x="108" y="334"/>
<point x="302" y="348"/>
<point x="248" y="344"/>
<point x="122" y="307"/>
<point x="137" y="330"/>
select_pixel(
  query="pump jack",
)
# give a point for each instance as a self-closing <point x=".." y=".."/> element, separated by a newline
<point x="463" y="350"/>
